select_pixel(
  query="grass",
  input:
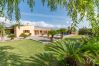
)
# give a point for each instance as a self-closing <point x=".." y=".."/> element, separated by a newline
<point x="75" y="37"/>
<point x="26" y="48"/>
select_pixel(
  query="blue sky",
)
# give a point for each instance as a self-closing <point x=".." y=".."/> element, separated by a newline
<point x="43" y="13"/>
<point x="43" y="16"/>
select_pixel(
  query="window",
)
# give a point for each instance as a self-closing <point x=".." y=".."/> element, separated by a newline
<point x="26" y="31"/>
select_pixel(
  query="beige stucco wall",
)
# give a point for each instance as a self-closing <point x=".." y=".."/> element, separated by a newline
<point x="19" y="30"/>
<point x="41" y="32"/>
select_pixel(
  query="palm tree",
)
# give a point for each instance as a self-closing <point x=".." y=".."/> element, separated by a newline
<point x="44" y="59"/>
<point x="52" y="33"/>
<point x="68" y="53"/>
<point x="62" y="31"/>
<point x="74" y="53"/>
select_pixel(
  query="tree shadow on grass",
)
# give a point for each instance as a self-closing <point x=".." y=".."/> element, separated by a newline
<point x="8" y="58"/>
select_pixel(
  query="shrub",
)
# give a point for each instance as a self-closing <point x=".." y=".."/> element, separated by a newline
<point x="52" y="33"/>
<point x="62" y="31"/>
<point x="85" y="31"/>
<point x="11" y="36"/>
<point x="71" y="30"/>
<point x="7" y="32"/>
<point x="24" y="35"/>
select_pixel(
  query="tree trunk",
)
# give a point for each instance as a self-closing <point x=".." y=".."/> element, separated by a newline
<point x="70" y="61"/>
<point x="2" y="35"/>
<point x="88" y="64"/>
<point x="62" y="35"/>
<point x="52" y="38"/>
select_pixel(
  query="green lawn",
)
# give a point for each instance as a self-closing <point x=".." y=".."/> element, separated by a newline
<point x="76" y="36"/>
<point x="26" y="48"/>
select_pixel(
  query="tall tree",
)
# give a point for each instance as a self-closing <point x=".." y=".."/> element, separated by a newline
<point x="78" y="9"/>
<point x="75" y="8"/>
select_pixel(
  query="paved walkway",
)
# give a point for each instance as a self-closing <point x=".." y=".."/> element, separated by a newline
<point x="38" y="38"/>
<point x="45" y="40"/>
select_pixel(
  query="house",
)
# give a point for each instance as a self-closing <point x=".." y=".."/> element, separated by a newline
<point x="34" y="30"/>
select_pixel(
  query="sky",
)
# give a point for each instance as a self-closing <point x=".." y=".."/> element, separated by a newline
<point x="44" y="14"/>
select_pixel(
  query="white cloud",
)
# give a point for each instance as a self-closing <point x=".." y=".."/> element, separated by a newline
<point x="6" y="21"/>
<point x="45" y="24"/>
<point x="3" y="19"/>
<point x="42" y="24"/>
<point x="34" y="23"/>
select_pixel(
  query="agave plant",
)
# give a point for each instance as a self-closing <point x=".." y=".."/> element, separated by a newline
<point x="44" y="59"/>
<point x="74" y="53"/>
<point x="69" y="53"/>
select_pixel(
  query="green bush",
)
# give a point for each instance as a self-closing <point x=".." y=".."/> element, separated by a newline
<point x="7" y="32"/>
<point x="11" y="36"/>
<point x="25" y="35"/>
<point x="85" y="31"/>
<point x="71" y="30"/>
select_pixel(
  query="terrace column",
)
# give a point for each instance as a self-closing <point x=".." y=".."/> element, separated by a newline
<point x="39" y="32"/>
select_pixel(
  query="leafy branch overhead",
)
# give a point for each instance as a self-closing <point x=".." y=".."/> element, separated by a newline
<point x="12" y="7"/>
<point x="77" y="9"/>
